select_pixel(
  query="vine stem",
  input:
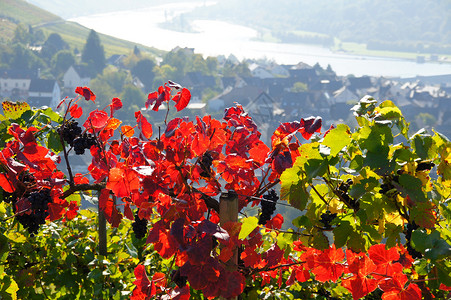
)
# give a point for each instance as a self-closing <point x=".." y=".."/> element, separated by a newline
<point x="264" y="269"/>
<point x="319" y="195"/>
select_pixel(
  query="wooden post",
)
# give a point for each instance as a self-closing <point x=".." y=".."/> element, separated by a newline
<point x="102" y="231"/>
<point x="228" y="212"/>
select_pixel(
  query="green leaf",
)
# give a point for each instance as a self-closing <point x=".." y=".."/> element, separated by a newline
<point x="424" y="146"/>
<point x="55" y="117"/>
<point x="95" y="274"/>
<point x="337" y="139"/>
<point x="390" y="113"/>
<point x="132" y="250"/>
<point x="249" y="224"/>
<point x="293" y="188"/>
<point x="341" y="233"/>
<point x="410" y="185"/>
<point x="302" y="221"/>
<point x="443" y="270"/>
<point x="320" y="241"/>
<point x="54" y="142"/>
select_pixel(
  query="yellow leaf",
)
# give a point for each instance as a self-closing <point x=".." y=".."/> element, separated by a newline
<point x="113" y="123"/>
<point x="128" y="131"/>
<point x="14" y="110"/>
<point x="16" y="237"/>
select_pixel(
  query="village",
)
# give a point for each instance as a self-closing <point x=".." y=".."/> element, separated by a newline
<point x="272" y="94"/>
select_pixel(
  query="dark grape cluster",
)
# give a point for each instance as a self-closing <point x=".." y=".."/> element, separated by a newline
<point x="139" y="227"/>
<point x="326" y="218"/>
<point x="425" y="165"/>
<point x="39" y="200"/>
<point x="343" y="192"/>
<point x="85" y="141"/>
<point x="268" y="204"/>
<point x="69" y="130"/>
<point x="387" y="188"/>
<point x="409" y="229"/>
<point x="205" y="164"/>
<point x="178" y="279"/>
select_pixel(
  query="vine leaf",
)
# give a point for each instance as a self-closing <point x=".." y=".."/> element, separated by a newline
<point x="248" y="225"/>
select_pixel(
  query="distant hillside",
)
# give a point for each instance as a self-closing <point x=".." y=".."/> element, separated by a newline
<point x="403" y="25"/>
<point x="13" y="12"/>
<point x="70" y="8"/>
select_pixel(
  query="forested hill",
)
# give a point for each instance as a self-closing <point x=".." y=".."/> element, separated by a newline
<point x="42" y="23"/>
<point x="407" y="23"/>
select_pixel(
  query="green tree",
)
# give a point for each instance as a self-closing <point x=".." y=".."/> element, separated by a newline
<point x="134" y="99"/>
<point x="61" y="61"/>
<point x="144" y="71"/>
<point x="21" y="35"/>
<point x="52" y="45"/>
<point x="93" y="53"/>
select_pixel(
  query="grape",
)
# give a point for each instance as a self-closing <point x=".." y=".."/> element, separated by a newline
<point x="39" y="200"/>
<point x="83" y="142"/>
<point x="69" y="130"/>
<point x="139" y="227"/>
<point x="205" y="163"/>
<point x="326" y="218"/>
<point x="178" y="279"/>
<point x="425" y="165"/>
<point x="268" y="204"/>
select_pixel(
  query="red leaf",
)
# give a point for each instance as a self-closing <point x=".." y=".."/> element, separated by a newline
<point x="143" y="125"/>
<point x="276" y="222"/>
<point x="412" y="292"/>
<point x="122" y="181"/>
<point x="259" y="153"/>
<point x="328" y="266"/>
<point x="56" y="211"/>
<point x="309" y="126"/>
<point x="383" y="259"/>
<point x="178" y="294"/>
<point x="116" y="104"/>
<point x="359" y="286"/>
<point x="157" y="98"/>
<point x="76" y="111"/>
<point x="234" y="285"/>
<point x="6" y="184"/>
<point x="164" y="242"/>
<point x="85" y="92"/>
<point x="182" y="99"/>
<point x="97" y="119"/>
<point x="145" y="289"/>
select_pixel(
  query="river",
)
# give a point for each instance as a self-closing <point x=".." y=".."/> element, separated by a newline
<point x="212" y="38"/>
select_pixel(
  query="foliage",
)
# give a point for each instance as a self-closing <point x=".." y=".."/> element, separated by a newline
<point x="93" y="53"/>
<point x="373" y="205"/>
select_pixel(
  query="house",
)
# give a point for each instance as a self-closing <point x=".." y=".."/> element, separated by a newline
<point x="14" y="84"/>
<point x="44" y="92"/>
<point x="75" y="76"/>
<point x="357" y="84"/>
<point x="115" y="60"/>
<point x="259" y="71"/>
<point x="265" y="112"/>
<point x="242" y="95"/>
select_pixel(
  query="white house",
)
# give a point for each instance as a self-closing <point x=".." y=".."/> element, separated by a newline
<point x="259" y="72"/>
<point x="44" y="92"/>
<point x="15" y="84"/>
<point x="75" y="76"/>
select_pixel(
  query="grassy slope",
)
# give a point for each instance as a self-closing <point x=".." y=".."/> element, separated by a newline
<point x="74" y="34"/>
